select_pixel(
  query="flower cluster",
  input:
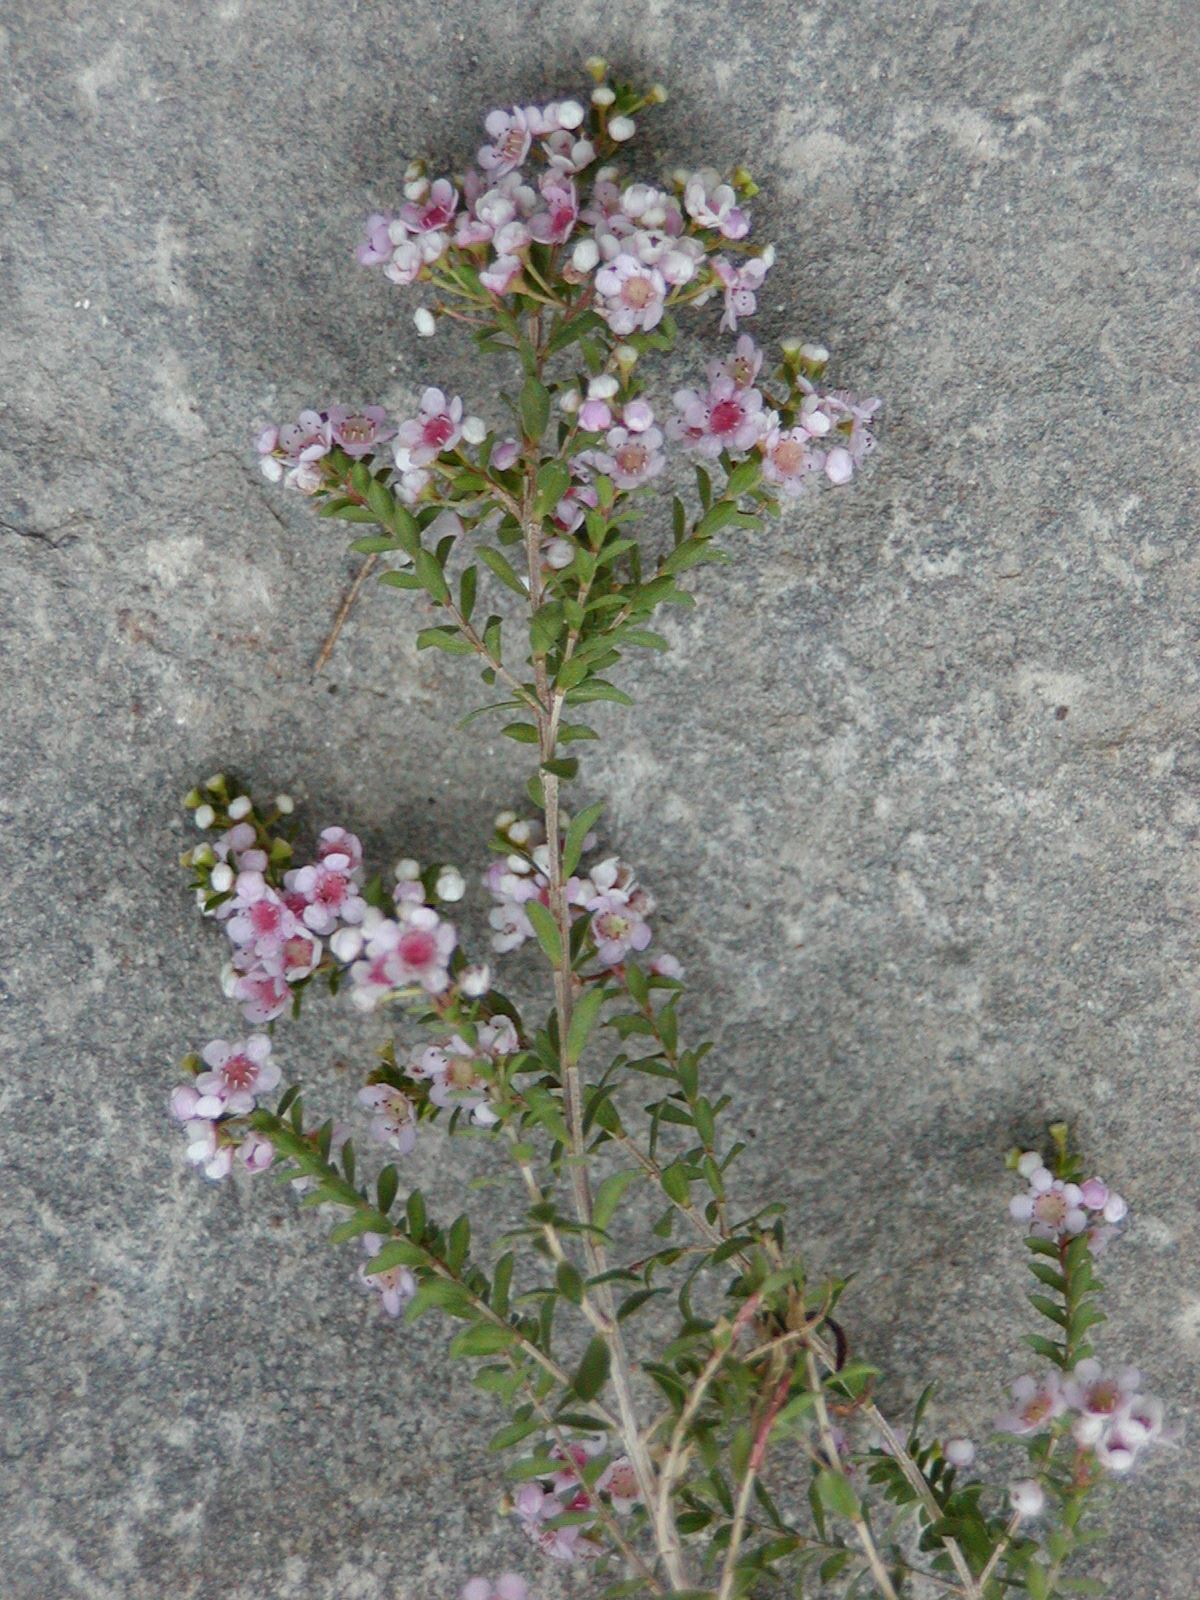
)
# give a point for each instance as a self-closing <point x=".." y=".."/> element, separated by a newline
<point x="226" y="1083"/>
<point x="1107" y="1416"/>
<point x="573" y="1488"/>
<point x="1059" y="1211"/>
<point x="608" y="894"/>
<point x="409" y="951"/>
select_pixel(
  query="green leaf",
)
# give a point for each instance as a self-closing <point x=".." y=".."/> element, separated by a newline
<point x="513" y="1432"/>
<point x="546" y="929"/>
<point x="592" y="1372"/>
<point x="583" y="1019"/>
<point x="445" y="638"/>
<point x="493" y="559"/>
<point x="375" y="544"/>
<point x="534" y="408"/>
<point x="401" y="580"/>
<point x="553" y="481"/>
<point x="581" y="826"/>
<point x="545" y="626"/>
<point x="608" y="1196"/>
<point x="395" y="1253"/>
<point x="467" y="586"/>
<point x="484" y="1339"/>
<point x="836" y="1494"/>
<point x="381" y="501"/>
<point x="522" y="732"/>
<point x="569" y="1282"/>
<point x="432" y="577"/>
<point x="385" y="1188"/>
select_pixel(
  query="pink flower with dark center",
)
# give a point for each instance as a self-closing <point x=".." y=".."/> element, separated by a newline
<point x="298" y="955"/>
<point x="633" y="294"/>
<point x="397" y="954"/>
<point x="395" y="1287"/>
<point x="725" y="417"/>
<point x="535" y="1507"/>
<point x="263" y="995"/>
<point x="394" y="1123"/>
<point x="307" y="439"/>
<point x="1093" y="1392"/>
<point x="329" y="892"/>
<point x="743" y="366"/>
<point x="741" y="285"/>
<point x="566" y="153"/>
<point x="456" y="1069"/>
<point x="556" y="224"/>
<point x="433" y="214"/>
<point x="436" y="428"/>
<point x="237" y="1074"/>
<point x="360" y="432"/>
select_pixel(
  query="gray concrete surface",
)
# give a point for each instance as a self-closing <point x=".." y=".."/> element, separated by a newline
<point x="918" y="788"/>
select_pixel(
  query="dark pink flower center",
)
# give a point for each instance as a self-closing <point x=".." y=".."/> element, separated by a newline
<point x="298" y="951"/>
<point x="265" y="917"/>
<point x="331" y="890"/>
<point x="1104" y="1398"/>
<point x="513" y="145"/>
<point x="632" y="458"/>
<point x="357" y="430"/>
<point x="239" y="1072"/>
<point x="416" y="948"/>
<point x="725" y="417"/>
<point x="438" y="431"/>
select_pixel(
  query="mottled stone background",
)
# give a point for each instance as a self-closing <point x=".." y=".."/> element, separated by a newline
<point x="918" y="786"/>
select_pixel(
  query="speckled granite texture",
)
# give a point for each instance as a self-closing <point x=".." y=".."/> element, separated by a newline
<point x="918" y="787"/>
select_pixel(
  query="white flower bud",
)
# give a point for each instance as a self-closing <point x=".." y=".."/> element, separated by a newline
<point x="959" y="1452"/>
<point x="570" y="114"/>
<point x="569" y="401"/>
<point x="413" y="171"/>
<point x="407" y="870"/>
<point x="474" y="430"/>
<point x="241" y="807"/>
<point x="517" y="864"/>
<point x="1027" y="1496"/>
<point x="284" y="804"/>
<point x="520" y="832"/>
<point x="767" y="256"/>
<point x="603" y="96"/>
<point x="229" y="980"/>
<point x="815" y="354"/>
<point x="271" y="469"/>
<point x="417" y="189"/>
<point x="626" y="356"/>
<point x="205" y="816"/>
<point x="585" y="255"/>
<point x="216" y="782"/>
<point x="475" y="981"/>
<point x="622" y="128"/>
<point x="346" y="944"/>
<point x="222" y="877"/>
<point x="603" y="388"/>
<point x="424" y="323"/>
<point x="505" y="819"/>
<point x="451" y="885"/>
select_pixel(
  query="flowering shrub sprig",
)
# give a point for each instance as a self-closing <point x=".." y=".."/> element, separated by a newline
<point x="667" y="1461"/>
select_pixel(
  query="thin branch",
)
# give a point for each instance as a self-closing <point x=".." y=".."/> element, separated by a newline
<point x="343" y="612"/>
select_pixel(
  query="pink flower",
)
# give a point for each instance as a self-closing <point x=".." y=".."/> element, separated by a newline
<point x="741" y="285"/>
<point x="360" y="432"/>
<point x="184" y="1100"/>
<point x="307" y="439"/>
<point x="264" y="995"/>
<point x="394" y="1123"/>
<point x="435" y="213"/>
<point x="714" y="205"/>
<point x="787" y="457"/>
<point x="504" y="454"/>
<point x="633" y="294"/>
<point x="207" y="1149"/>
<point x="436" y="428"/>
<point x="376" y="248"/>
<point x="556" y="224"/>
<point x="725" y="417"/>
<point x="460" y="1072"/>
<point x="535" y="1507"/>
<point x="341" y="842"/>
<point x="256" y="1153"/>
<point x="395" y="1287"/>
<point x="617" y="927"/>
<point x="959" y="1452"/>
<point x="1089" y="1390"/>
<point x="1035" y="1405"/>
<point x="238" y="1074"/>
<point x="257" y="917"/>
<point x="511" y="133"/>
<point x="397" y="954"/>
<point x="329" y="893"/>
<point x="619" y="1482"/>
<point x="508" y="1586"/>
<point x="499" y="277"/>
<point x="630" y="459"/>
<point x="1059" y="1211"/>
<point x="1028" y="1497"/>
